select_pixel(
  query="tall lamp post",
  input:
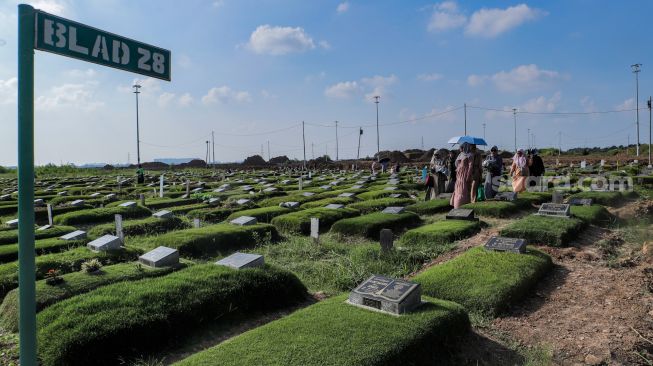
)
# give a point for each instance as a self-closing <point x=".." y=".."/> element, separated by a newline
<point x="378" y="141"/>
<point x="636" y="69"/>
<point x="138" y="139"/>
<point x="649" y="131"/>
<point x="514" y="117"/>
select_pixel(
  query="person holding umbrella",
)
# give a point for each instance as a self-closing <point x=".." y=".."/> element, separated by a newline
<point x="464" y="176"/>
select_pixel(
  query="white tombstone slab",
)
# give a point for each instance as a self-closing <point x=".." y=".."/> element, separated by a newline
<point x="244" y="220"/>
<point x="160" y="257"/>
<point x="75" y="235"/>
<point x="44" y="228"/>
<point x="95" y="195"/>
<point x="390" y="189"/>
<point x="247" y="188"/>
<point x="393" y="210"/>
<point x="62" y="193"/>
<point x="105" y="243"/>
<point x="5" y="197"/>
<point x="110" y="197"/>
<point x="39" y="202"/>
<point x="334" y="206"/>
<point x="270" y="189"/>
<point x="291" y="204"/>
<point x="163" y="214"/>
<point x="242" y="260"/>
<point x="308" y="194"/>
<point x="326" y="188"/>
<point x="347" y="194"/>
<point x="12" y="223"/>
<point x="315" y="228"/>
<point x="357" y="186"/>
<point x="128" y="204"/>
<point x="77" y="203"/>
<point x="243" y="201"/>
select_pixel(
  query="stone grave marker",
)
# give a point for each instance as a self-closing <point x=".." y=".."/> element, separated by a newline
<point x="5" y="197"/>
<point x="110" y="197"/>
<point x="461" y="214"/>
<point x="119" y="232"/>
<point x="128" y="204"/>
<point x="50" y="215"/>
<point x="501" y="244"/>
<point x="77" y="203"/>
<point x="326" y="188"/>
<point x="242" y="260"/>
<point x="387" y="240"/>
<point x="554" y="209"/>
<point x="163" y="214"/>
<point x="243" y="201"/>
<point x="394" y="210"/>
<point x="95" y="195"/>
<point x="290" y="204"/>
<point x="308" y="194"/>
<point x="580" y="201"/>
<point x="187" y="188"/>
<point x="39" y="202"/>
<point x="557" y="197"/>
<point x="142" y="198"/>
<point x="390" y="189"/>
<point x="44" y="228"/>
<point x="347" y="194"/>
<point x="394" y="296"/>
<point x="506" y="196"/>
<point x="244" y="220"/>
<point x="161" y="186"/>
<point x="75" y="235"/>
<point x="395" y="195"/>
<point x="445" y="196"/>
<point x="62" y="193"/>
<point x="356" y="186"/>
<point x="334" y="206"/>
<point x="269" y="189"/>
<point x="315" y="229"/>
<point x="197" y="190"/>
<point x="105" y="243"/>
<point x="12" y="223"/>
<point x="160" y="257"/>
<point x="213" y="201"/>
<point x="196" y="223"/>
<point x="301" y="183"/>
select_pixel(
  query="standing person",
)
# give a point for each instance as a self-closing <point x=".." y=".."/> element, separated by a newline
<point x="494" y="166"/>
<point x="428" y="183"/>
<point x="536" y="167"/>
<point x="477" y="172"/>
<point x="140" y="174"/>
<point x="464" y="170"/>
<point x="374" y="166"/>
<point x="519" y="172"/>
<point x="425" y="172"/>
<point x="451" y="176"/>
<point x="439" y="169"/>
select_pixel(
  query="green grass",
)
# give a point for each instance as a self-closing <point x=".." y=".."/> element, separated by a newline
<point x="430" y="207"/>
<point x="593" y="215"/>
<point x="553" y="231"/>
<point x="300" y="221"/>
<point x="9" y="252"/>
<point x="493" y="208"/>
<point x="263" y="214"/>
<point x="11" y="236"/>
<point x="327" y="201"/>
<point x="161" y="203"/>
<point x="485" y="282"/>
<point x="440" y="233"/>
<point x="370" y="225"/>
<point x="601" y="198"/>
<point x="376" y="194"/>
<point x="295" y="197"/>
<point x="208" y="240"/>
<point x="182" y="210"/>
<point x="126" y="318"/>
<point x="536" y="197"/>
<point x="335" y="333"/>
<point x="148" y="226"/>
<point x="74" y="284"/>
<point x="98" y="215"/>
<point x="210" y="214"/>
<point x="379" y="204"/>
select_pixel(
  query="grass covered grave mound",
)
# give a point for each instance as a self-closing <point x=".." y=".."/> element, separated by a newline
<point x="9" y="252"/>
<point x="130" y="318"/>
<point x="439" y="233"/>
<point x="379" y="204"/>
<point x="483" y="281"/>
<point x="11" y="236"/>
<point x="182" y="210"/>
<point x="161" y="203"/>
<point x="493" y="208"/>
<point x="148" y="226"/>
<point x="275" y="201"/>
<point x="98" y="215"/>
<point x="429" y="207"/>
<point x="263" y="214"/>
<point x="376" y="194"/>
<point x="209" y="240"/>
<point x="600" y="198"/>
<point x="370" y="225"/>
<point x="535" y="197"/>
<point x="333" y="332"/>
<point x="75" y="283"/>
<point x="553" y="231"/>
<point x="593" y="215"/>
<point x="328" y="201"/>
<point x="300" y="221"/>
<point x="210" y="214"/>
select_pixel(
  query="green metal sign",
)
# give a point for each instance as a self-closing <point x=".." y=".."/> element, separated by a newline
<point x="76" y="40"/>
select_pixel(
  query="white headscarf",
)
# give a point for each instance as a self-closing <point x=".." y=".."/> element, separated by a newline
<point x="520" y="160"/>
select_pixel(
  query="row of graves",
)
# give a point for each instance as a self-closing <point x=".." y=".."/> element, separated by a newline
<point x="180" y="251"/>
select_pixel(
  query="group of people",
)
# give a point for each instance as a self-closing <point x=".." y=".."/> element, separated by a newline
<point x="461" y="173"/>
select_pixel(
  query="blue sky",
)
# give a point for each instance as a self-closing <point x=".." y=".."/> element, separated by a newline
<point x="252" y="71"/>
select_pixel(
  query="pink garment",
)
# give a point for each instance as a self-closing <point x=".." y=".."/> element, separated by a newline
<point x="519" y="172"/>
<point x="464" y="170"/>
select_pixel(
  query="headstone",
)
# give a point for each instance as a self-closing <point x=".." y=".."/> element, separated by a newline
<point x="163" y="214"/>
<point x="196" y="223"/>
<point x="394" y="296"/>
<point x="12" y="223"/>
<point x="301" y="183"/>
<point x="128" y="204"/>
<point x="161" y="186"/>
<point x="390" y="189"/>
<point x="580" y="201"/>
<point x="347" y="194"/>
<point x="243" y="201"/>
<point x="242" y="260"/>
<point x="395" y="195"/>
<point x="62" y="193"/>
<point x="50" y="215"/>
<point x="105" y="243"/>
<point x="557" y="197"/>
<point x="356" y="186"/>
<point x="269" y="189"/>
<point x="326" y="188"/>
<point x="119" y="232"/>
<point x="39" y="202"/>
<point x="445" y="196"/>
<point x="583" y="164"/>
<point x="77" y="203"/>
<point x="461" y="214"/>
<point x="290" y="204"/>
<point x="501" y="244"/>
<point x="110" y="197"/>
<point x="334" y="206"/>
<point x="95" y="195"/>
<point x="142" y="198"/>
<point x="554" y="209"/>
<point x="44" y="228"/>
<point x="75" y="235"/>
<point x="197" y="190"/>
<point x="308" y="194"/>
<point x="387" y="240"/>
<point x="393" y="182"/>
<point x="213" y="201"/>
<point x="244" y="220"/>
<point x="160" y="257"/>
<point x="315" y="228"/>
<point x="393" y="210"/>
<point x="506" y="196"/>
<point x="5" y="197"/>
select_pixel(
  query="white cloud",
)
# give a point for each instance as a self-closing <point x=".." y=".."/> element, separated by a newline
<point x="185" y="100"/>
<point x="379" y="85"/>
<point x="8" y="91"/>
<point x="77" y="73"/>
<point x="77" y="96"/>
<point x="588" y="104"/>
<point x="267" y="95"/>
<point x="57" y="7"/>
<point x="626" y="104"/>
<point x="165" y="99"/>
<point x="343" y="7"/>
<point x="542" y="104"/>
<point x="218" y="3"/>
<point x="429" y="77"/>
<point x="324" y="45"/>
<point x="521" y="78"/>
<point x="224" y="95"/>
<point x="489" y="23"/>
<point x="343" y="90"/>
<point x="279" y="40"/>
<point x="445" y="17"/>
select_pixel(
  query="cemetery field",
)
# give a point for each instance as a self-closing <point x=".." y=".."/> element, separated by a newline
<point x="284" y="267"/>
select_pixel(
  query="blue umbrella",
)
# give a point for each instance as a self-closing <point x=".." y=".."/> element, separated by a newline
<point x="468" y="139"/>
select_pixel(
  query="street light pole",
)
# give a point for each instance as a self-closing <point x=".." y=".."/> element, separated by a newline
<point x="138" y="139"/>
<point x="483" y="131"/>
<point x="378" y="141"/>
<point x="636" y="69"/>
<point x="649" y="132"/>
<point x="514" y="117"/>
<point x="337" y="157"/>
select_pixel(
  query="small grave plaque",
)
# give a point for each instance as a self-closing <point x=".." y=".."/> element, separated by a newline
<point x="445" y="196"/>
<point x="95" y="195"/>
<point x="389" y="295"/>
<point x="242" y="260"/>
<point x="356" y="186"/>
<point x="75" y="235"/>
<point x="308" y="194"/>
<point x="110" y="197"/>
<point x="557" y="197"/>
<point x="219" y="190"/>
<point x="77" y="203"/>
<point x="347" y="194"/>
<point x="105" y="243"/>
<point x="326" y="188"/>
<point x="5" y="197"/>
<point x="269" y="189"/>
<point x="12" y="223"/>
<point x="395" y="195"/>
<point x="44" y="228"/>
<point x="580" y="201"/>
<point x="315" y="228"/>
<point x="334" y="206"/>
<point x="461" y="214"/>
<point x="128" y="204"/>
<point x="393" y="210"/>
<point x="387" y="240"/>
<point x="506" y="196"/>
<point x="163" y="214"/>
<point x="247" y="188"/>
<point x="554" y="209"/>
<point x="243" y="201"/>
<point x="197" y="190"/>
<point x="196" y="223"/>
<point x="502" y="244"/>
<point x="50" y="214"/>
<point x="62" y="193"/>
<point x="291" y="204"/>
<point x="39" y="202"/>
<point x="160" y="257"/>
<point x="214" y="201"/>
<point x="244" y="220"/>
<point x="390" y="189"/>
<point x="393" y="182"/>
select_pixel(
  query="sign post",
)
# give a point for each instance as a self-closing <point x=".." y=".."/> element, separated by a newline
<point x="50" y="33"/>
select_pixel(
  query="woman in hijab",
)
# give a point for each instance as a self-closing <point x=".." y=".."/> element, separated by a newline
<point x="464" y="175"/>
<point x="519" y="172"/>
<point x="439" y="170"/>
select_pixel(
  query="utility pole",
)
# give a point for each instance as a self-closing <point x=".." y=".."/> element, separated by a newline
<point x="378" y="141"/>
<point x="313" y="150"/>
<point x="207" y="152"/>
<point x="422" y="142"/>
<point x="514" y="117"/>
<point x="213" y="146"/>
<point x="269" y="157"/>
<point x="529" y="139"/>
<point x="465" y="105"/>
<point x="636" y="69"/>
<point x="650" y="101"/>
<point x="483" y="131"/>
<point x="358" y="154"/>
<point x="337" y="141"/>
<point x="304" y="143"/>
<point x="138" y="139"/>
<point x="559" y="143"/>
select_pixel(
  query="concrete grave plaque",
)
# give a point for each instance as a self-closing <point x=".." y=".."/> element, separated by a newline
<point x="390" y="189"/>
<point x="394" y="296"/>
<point x="326" y="188"/>
<point x="244" y="220"/>
<point x="445" y="196"/>
<point x="39" y="202"/>
<point x="580" y="201"/>
<point x="554" y="209"/>
<point x="105" y="243"/>
<point x="461" y="214"/>
<point x="285" y="181"/>
<point x="270" y="189"/>
<point x="308" y="194"/>
<point x="95" y="195"/>
<point x="219" y="190"/>
<point x="387" y="240"/>
<point x="291" y="204"/>
<point x="128" y="204"/>
<point x="213" y="201"/>
<point x="77" y="203"/>
<point x="44" y="228"/>
<point x="197" y="190"/>
<point x="160" y="257"/>
<point x="75" y="235"/>
<point x="315" y="228"/>
<point x="62" y="193"/>
<point x="557" y="197"/>
<point x="334" y="206"/>
<point x="347" y="194"/>
<point x="356" y="186"/>
<point x="243" y="201"/>
<point x="501" y="244"/>
<point x="506" y="196"/>
<point x="393" y="182"/>
<point x="5" y="197"/>
<point x="196" y="223"/>
<point x="163" y="214"/>
<point x="12" y="223"/>
<point x="242" y="260"/>
<point x="393" y="210"/>
<point x="247" y="188"/>
<point x="110" y="197"/>
<point x="395" y="195"/>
